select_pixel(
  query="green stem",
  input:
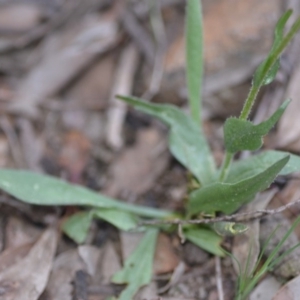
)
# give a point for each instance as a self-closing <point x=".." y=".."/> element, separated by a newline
<point x="249" y="102"/>
<point x="255" y="89"/>
<point x="225" y="166"/>
<point x="269" y="64"/>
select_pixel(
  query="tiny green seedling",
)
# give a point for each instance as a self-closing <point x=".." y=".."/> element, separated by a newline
<point x="222" y="190"/>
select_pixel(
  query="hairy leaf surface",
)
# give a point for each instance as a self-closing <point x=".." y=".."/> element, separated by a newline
<point x="41" y="189"/>
<point x="244" y="135"/>
<point x="228" y="197"/>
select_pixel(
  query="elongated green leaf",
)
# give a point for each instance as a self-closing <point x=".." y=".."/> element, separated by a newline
<point x="256" y="164"/>
<point x="138" y="267"/>
<point x="228" y="197"/>
<point x="204" y="238"/>
<point x="243" y="135"/>
<point x="186" y="140"/>
<point x="259" y="78"/>
<point x="77" y="226"/>
<point x="121" y="219"/>
<point x="194" y="57"/>
<point x="47" y="190"/>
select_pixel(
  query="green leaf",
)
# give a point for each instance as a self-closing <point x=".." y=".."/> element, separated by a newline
<point x="121" y="219"/>
<point x="138" y="267"/>
<point x="41" y="189"/>
<point x="77" y="226"/>
<point x="194" y="57"/>
<point x="228" y="197"/>
<point x="243" y="135"/>
<point x="256" y="164"/>
<point x="204" y="238"/>
<point x="259" y="77"/>
<point x="186" y="140"/>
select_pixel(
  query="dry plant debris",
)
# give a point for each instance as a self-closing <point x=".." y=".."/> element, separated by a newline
<point x="61" y="64"/>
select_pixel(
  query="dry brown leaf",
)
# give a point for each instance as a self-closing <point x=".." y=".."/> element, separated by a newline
<point x="110" y="263"/>
<point x="31" y="144"/>
<point x="147" y="292"/>
<point x="64" y="268"/>
<point x="92" y="89"/>
<point x="165" y="259"/>
<point x="19" y="17"/>
<point x="19" y="232"/>
<point x="288" y="134"/>
<point x="11" y="256"/>
<point x="129" y="242"/>
<point x="248" y="243"/>
<point x="61" y="64"/>
<point x="27" y="279"/>
<point x="138" y="167"/>
<point x="4" y="152"/>
<point x="266" y="289"/>
<point x="289" y="291"/>
<point x="75" y="154"/>
<point x="90" y="256"/>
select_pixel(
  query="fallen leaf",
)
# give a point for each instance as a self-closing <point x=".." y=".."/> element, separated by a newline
<point x="289" y="291"/>
<point x="165" y="259"/>
<point x="74" y="154"/>
<point x="11" y="256"/>
<point x="288" y="130"/>
<point x="62" y="63"/>
<point x="19" y="232"/>
<point x="246" y="246"/>
<point x="63" y="272"/>
<point x="27" y="279"/>
<point x="110" y="263"/>
<point x="266" y="289"/>
<point x="138" y="167"/>
<point x="90" y="256"/>
<point x="19" y="17"/>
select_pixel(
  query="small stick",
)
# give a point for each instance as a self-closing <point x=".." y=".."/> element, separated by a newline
<point x="219" y="278"/>
<point x="123" y="85"/>
<point x="239" y="217"/>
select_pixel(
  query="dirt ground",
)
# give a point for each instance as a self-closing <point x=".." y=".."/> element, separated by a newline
<point x="61" y="65"/>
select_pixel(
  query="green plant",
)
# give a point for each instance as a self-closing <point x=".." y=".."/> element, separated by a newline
<point x="248" y="279"/>
<point x="222" y="190"/>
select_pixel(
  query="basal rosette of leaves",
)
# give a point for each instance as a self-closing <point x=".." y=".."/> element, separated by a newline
<point x="222" y="190"/>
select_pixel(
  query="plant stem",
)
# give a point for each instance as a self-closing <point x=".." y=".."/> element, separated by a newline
<point x="269" y="64"/>
<point x="249" y="102"/>
<point x="225" y="166"/>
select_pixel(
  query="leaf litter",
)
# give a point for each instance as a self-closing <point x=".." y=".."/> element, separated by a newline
<point x="46" y="90"/>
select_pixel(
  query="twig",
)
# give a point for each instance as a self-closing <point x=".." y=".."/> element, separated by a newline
<point x="219" y="278"/>
<point x="239" y="217"/>
<point x="177" y="274"/>
<point x="123" y="85"/>
<point x="160" y="38"/>
<point x="141" y="37"/>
